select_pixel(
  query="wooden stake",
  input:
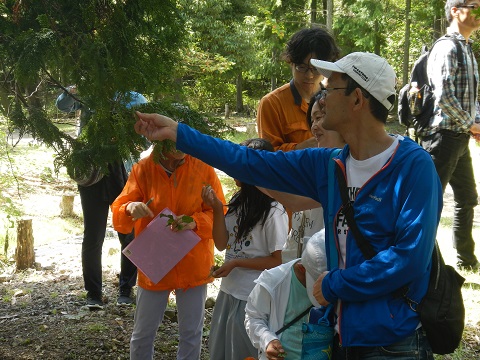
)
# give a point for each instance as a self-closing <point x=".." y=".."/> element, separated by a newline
<point x="24" y="253"/>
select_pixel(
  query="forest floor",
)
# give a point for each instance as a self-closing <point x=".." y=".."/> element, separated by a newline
<point x="42" y="310"/>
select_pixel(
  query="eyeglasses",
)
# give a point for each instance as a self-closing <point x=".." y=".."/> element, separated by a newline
<point x="324" y="91"/>
<point x="469" y="6"/>
<point x="303" y="68"/>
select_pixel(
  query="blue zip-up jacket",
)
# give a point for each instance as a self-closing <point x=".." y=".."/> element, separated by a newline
<point x="397" y="210"/>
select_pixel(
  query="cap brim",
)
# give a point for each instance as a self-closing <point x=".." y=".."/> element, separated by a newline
<point x="326" y="68"/>
<point x="309" y="285"/>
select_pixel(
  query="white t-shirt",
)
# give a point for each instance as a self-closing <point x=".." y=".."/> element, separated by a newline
<point x="304" y="225"/>
<point x="261" y="241"/>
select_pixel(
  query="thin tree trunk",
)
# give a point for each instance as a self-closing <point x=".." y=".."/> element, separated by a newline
<point x="377" y="38"/>
<point x="313" y="12"/>
<point x="330" y="15"/>
<point x="273" y="79"/>
<point x="239" y="106"/>
<point x="406" y="47"/>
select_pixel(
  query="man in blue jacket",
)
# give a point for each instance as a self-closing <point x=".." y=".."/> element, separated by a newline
<point x="397" y="205"/>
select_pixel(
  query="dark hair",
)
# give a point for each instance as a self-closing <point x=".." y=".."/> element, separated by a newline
<point x="312" y="102"/>
<point x="249" y="204"/>
<point x="315" y="41"/>
<point x="377" y="109"/>
<point x="449" y="4"/>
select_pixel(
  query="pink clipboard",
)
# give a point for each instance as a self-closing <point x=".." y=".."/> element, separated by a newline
<point x="157" y="249"/>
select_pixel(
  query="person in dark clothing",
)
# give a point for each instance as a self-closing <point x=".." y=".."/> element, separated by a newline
<point x="96" y="199"/>
<point x="454" y="121"/>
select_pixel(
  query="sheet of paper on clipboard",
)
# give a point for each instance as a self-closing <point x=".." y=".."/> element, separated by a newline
<point x="157" y="249"/>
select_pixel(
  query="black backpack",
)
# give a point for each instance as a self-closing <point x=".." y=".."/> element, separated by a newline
<point x="416" y="113"/>
<point x="442" y="311"/>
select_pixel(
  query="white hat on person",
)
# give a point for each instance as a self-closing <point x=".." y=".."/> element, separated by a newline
<point x="370" y="71"/>
<point x="314" y="261"/>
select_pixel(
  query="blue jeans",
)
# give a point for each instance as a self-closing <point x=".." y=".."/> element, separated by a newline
<point x="413" y="347"/>
<point x="451" y="156"/>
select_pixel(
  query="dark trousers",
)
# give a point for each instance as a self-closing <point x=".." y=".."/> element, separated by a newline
<point x="95" y="214"/>
<point x="128" y="271"/>
<point x="451" y="155"/>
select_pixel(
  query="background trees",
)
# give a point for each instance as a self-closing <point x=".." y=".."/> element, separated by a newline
<point x="203" y="52"/>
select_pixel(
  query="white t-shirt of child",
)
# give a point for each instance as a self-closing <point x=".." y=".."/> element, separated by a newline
<point x="261" y="241"/>
<point x="304" y="224"/>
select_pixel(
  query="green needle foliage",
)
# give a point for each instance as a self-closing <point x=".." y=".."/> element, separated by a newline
<point x="105" y="48"/>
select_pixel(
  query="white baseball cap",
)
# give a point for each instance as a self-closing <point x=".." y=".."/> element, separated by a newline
<point x="370" y="71"/>
<point x="314" y="260"/>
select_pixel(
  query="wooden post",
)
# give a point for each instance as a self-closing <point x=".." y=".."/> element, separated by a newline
<point x="227" y="111"/>
<point x="66" y="206"/>
<point x="251" y="129"/>
<point x="24" y="254"/>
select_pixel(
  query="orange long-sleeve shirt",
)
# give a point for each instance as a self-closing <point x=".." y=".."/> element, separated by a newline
<point x="181" y="193"/>
<point x="281" y="118"/>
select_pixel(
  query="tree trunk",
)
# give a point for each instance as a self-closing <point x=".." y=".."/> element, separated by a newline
<point x="330" y="16"/>
<point x="239" y="106"/>
<point x="24" y="254"/>
<point x="66" y="206"/>
<point x="378" y="40"/>
<point x="439" y="27"/>
<point x="406" y="47"/>
<point x="273" y="83"/>
<point x="313" y="12"/>
<point x="273" y="78"/>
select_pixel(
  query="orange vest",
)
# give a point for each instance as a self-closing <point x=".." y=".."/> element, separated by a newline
<point x="181" y="193"/>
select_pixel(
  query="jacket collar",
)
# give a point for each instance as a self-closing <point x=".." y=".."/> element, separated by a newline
<point x="296" y="95"/>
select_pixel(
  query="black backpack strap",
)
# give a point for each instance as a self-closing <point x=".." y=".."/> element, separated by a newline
<point x="460" y="54"/>
<point x="366" y="248"/>
<point x="347" y="208"/>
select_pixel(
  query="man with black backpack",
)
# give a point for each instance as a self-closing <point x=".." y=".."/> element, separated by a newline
<point x="447" y="134"/>
<point x="394" y="191"/>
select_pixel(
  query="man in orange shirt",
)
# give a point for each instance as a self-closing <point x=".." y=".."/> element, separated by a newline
<point x="282" y="113"/>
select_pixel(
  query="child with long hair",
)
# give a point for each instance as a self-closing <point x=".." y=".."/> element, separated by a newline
<point x="253" y="232"/>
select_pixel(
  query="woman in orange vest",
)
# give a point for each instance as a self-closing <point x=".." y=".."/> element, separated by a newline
<point x="175" y="181"/>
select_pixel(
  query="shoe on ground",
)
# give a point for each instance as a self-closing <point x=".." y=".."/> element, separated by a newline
<point x="469" y="267"/>
<point x="94" y="303"/>
<point x="125" y="298"/>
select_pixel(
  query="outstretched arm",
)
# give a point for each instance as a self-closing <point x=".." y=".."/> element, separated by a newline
<point x="291" y="201"/>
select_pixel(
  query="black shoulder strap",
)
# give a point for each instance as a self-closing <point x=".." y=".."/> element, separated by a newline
<point x="347" y="208"/>
<point x="285" y="327"/>
<point x="460" y="55"/>
<point x="366" y="248"/>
